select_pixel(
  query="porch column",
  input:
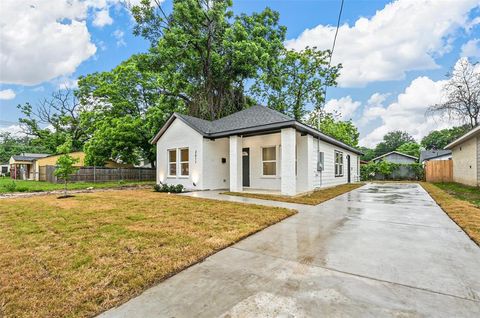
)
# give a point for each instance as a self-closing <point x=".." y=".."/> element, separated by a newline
<point x="288" y="182"/>
<point x="236" y="164"/>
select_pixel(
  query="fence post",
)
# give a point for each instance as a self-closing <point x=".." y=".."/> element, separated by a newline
<point x="94" y="175"/>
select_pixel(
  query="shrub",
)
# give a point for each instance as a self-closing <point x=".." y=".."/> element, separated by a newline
<point x="391" y="171"/>
<point x="10" y="186"/>
<point x="168" y="188"/>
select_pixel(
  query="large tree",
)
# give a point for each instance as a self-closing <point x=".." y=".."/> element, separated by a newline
<point x="461" y="94"/>
<point x="204" y="55"/>
<point x="53" y="120"/>
<point x="126" y="109"/>
<point x="392" y="141"/>
<point x="410" y="148"/>
<point x="438" y="139"/>
<point x="342" y="130"/>
<point x="296" y="80"/>
<point x="13" y="145"/>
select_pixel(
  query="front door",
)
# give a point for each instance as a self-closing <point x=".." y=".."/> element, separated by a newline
<point x="246" y="166"/>
<point x="348" y="168"/>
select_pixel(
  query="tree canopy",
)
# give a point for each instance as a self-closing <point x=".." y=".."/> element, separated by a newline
<point x="11" y="145"/>
<point x="204" y="54"/>
<point x="296" y="80"/>
<point x="461" y="94"/>
<point x="392" y="141"/>
<point x="410" y="148"/>
<point x="438" y="139"/>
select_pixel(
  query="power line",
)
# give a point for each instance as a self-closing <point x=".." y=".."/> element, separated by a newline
<point x="330" y="59"/>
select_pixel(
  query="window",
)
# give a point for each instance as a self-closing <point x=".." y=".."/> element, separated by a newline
<point x="338" y="164"/>
<point x="184" y="164"/>
<point x="269" y="161"/>
<point x="172" y="162"/>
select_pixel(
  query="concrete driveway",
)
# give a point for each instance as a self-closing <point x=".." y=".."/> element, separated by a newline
<point x="381" y="250"/>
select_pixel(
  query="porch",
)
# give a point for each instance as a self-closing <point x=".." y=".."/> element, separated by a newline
<point x="273" y="162"/>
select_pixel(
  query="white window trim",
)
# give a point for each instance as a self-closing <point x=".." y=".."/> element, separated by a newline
<point x="170" y="162"/>
<point x="184" y="176"/>
<point x="269" y="176"/>
<point x="339" y="175"/>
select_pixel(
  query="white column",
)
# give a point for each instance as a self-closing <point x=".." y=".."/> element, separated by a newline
<point x="289" y="182"/>
<point x="311" y="163"/>
<point x="236" y="164"/>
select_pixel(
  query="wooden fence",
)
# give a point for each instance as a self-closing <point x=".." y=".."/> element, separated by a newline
<point x="101" y="174"/>
<point x="439" y="171"/>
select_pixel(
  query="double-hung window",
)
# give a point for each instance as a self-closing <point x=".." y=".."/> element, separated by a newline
<point x="269" y="161"/>
<point x="172" y="162"/>
<point x="184" y="163"/>
<point x="178" y="158"/>
<point x="338" y="164"/>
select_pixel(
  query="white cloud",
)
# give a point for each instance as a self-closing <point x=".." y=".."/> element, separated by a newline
<point x="102" y="18"/>
<point x="118" y="35"/>
<point x="408" y="112"/>
<point x="345" y="107"/>
<point x="42" y="40"/>
<point x="405" y="35"/>
<point x="7" y="94"/>
<point x="471" y="48"/>
<point x="14" y="130"/>
<point x="66" y="83"/>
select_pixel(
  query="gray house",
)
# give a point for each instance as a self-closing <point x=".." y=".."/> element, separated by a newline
<point x="396" y="157"/>
<point x="441" y="154"/>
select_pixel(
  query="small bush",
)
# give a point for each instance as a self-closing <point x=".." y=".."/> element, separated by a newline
<point x="384" y="170"/>
<point x="168" y="188"/>
<point x="11" y="186"/>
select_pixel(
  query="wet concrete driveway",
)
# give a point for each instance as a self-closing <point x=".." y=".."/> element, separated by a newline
<point x="379" y="251"/>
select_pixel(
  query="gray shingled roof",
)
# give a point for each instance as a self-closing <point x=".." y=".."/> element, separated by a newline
<point x="429" y="154"/>
<point x="29" y="156"/>
<point x="254" y="116"/>
<point x="251" y="120"/>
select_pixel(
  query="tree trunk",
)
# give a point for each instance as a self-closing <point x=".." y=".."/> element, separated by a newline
<point x="65" y="189"/>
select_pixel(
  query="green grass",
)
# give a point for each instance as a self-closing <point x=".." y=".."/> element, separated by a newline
<point x="462" y="192"/>
<point x="8" y="185"/>
<point x="79" y="256"/>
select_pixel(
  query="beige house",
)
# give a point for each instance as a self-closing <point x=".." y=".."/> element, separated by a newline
<point x="466" y="158"/>
<point x="29" y="166"/>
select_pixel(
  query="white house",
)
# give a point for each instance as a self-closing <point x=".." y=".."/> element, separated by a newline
<point x="256" y="148"/>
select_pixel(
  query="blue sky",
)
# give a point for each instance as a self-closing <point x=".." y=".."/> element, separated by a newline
<point x="395" y="53"/>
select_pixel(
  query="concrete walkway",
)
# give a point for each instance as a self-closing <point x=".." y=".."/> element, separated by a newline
<point x="379" y="251"/>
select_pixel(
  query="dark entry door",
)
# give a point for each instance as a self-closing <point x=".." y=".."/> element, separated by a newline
<point x="246" y="166"/>
<point x="348" y="168"/>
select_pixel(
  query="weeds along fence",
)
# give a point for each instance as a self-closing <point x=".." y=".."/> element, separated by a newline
<point x="101" y="174"/>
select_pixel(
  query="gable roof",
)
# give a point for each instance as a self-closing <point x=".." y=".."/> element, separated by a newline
<point x="395" y="152"/>
<point x="430" y="154"/>
<point x="251" y="120"/>
<point x="463" y="138"/>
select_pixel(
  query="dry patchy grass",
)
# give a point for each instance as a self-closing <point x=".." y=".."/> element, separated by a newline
<point x="462" y="212"/>
<point x="79" y="256"/>
<point x="313" y="198"/>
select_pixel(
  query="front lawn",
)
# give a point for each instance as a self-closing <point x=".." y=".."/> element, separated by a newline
<point x="79" y="256"/>
<point x="462" y="212"/>
<point x="8" y="185"/>
<point x="462" y="192"/>
<point x="313" y="198"/>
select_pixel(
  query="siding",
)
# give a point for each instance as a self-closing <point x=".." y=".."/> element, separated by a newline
<point x="465" y="162"/>
<point x="216" y="174"/>
<point x="180" y="135"/>
<point x="478" y="161"/>
<point x="327" y="178"/>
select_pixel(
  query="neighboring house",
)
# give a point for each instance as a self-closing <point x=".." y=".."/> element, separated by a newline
<point x="4" y="169"/>
<point x="22" y="166"/>
<point x="396" y="157"/>
<point x="427" y="155"/>
<point x="256" y="148"/>
<point x="33" y="166"/>
<point x="466" y="158"/>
